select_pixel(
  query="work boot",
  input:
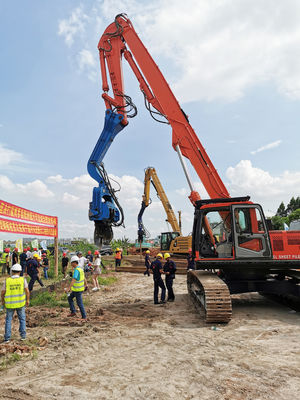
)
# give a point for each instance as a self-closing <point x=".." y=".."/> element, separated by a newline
<point x="72" y="314"/>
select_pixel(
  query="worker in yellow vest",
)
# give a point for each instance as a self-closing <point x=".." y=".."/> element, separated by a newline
<point x="76" y="288"/>
<point x="5" y="261"/>
<point x="14" y="296"/>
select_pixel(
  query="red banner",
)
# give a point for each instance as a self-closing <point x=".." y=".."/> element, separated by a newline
<point x="10" y="210"/>
<point x="7" y="225"/>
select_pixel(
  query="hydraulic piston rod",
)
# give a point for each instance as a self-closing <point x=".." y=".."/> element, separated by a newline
<point x="194" y="196"/>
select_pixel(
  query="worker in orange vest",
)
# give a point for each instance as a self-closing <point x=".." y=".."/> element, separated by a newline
<point x="118" y="257"/>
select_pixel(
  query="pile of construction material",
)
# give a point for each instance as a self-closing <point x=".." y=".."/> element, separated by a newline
<point x="136" y="264"/>
<point x="137" y="251"/>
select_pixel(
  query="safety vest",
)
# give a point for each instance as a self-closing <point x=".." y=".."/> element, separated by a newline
<point x="3" y="257"/>
<point x="15" y="296"/>
<point x="78" y="286"/>
<point x="118" y="255"/>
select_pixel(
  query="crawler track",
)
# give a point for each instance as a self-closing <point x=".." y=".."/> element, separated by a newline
<point x="209" y="292"/>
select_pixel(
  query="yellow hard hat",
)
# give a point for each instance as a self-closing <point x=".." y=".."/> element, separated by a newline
<point x="148" y="251"/>
<point x="159" y="255"/>
<point x="117" y="249"/>
<point x="166" y="255"/>
<point x="36" y="256"/>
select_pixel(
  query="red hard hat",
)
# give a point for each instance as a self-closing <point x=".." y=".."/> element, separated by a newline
<point x="64" y="254"/>
<point x="6" y="250"/>
<point x="35" y="249"/>
<point x="190" y="250"/>
<point x="96" y="253"/>
<point x="28" y="248"/>
<point x="16" y="249"/>
<point x="89" y="252"/>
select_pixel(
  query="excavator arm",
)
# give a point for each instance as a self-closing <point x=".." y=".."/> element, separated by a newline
<point x="151" y="177"/>
<point x="119" y="41"/>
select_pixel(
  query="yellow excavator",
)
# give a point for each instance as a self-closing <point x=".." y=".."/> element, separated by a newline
<point x="172" y="242"/>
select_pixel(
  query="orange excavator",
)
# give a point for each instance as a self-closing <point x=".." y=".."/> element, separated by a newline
<point x="234" y="249"/>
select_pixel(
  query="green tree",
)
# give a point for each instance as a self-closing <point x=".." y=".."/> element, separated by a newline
<point x="281" y="212"/>
<point x="293" y="205"/>
<point x="123" y="243"/>
<point x="294" y="215"/>
<point x="290" y="206"/>
<point x="277" y="222"/>
<point x="83" y="246"/>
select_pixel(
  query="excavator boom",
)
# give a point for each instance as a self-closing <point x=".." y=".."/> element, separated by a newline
<point x="151" y="177"/>
<point x="120" y="40"/>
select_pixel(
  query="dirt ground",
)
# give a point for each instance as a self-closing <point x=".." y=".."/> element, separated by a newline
<point x="132" y="349"/>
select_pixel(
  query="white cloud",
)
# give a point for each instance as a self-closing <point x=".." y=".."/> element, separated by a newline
<point x="36" y="188"/>
<point x="267" y="147"/>
<point x="223" y="48"/>
<point x="6" y="184"/>
<point x="9" y="157"/>
<point x="87" y="64"/>
<point x="70" y="229"/>
<point x="182" y="191"/>
<point x="72" y="26"/>
<point x="246" y="179"/>
<point x="86" y="59"/>
<point x="69" y="198"/>
<point x="217" y="51"/>
<point x="55" y="179"/>
<point x="79" y="194"/>
<point x="131" y="191"/>
<point x="130" y="195"/>
<point x="82" y="182"/>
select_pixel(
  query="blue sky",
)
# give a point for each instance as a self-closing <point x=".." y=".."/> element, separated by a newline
<point x="234" y="67"/>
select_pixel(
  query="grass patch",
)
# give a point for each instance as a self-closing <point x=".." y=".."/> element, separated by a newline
<point x="106" y="281"/>
<point x="34" y="354"/>
<point x="104" y="271"/>
<point x="9" y="360"/>
<point x="31" y="341"/>
<point x="106" y="263"/>
<point x="53" y="299"/>
<point x="15" y="357"/>
<point x="50" y="299"/>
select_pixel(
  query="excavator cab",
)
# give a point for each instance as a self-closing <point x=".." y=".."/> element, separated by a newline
<point x="250" y="232"/>
<point x="230" y="231"/>
<point x="166" y="239"/>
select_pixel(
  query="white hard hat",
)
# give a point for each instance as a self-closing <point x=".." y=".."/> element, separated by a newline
<point x="16" y="267"/>
<point x="75" y="259"/>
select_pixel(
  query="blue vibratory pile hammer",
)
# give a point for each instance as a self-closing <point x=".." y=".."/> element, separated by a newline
<point x="104" y="209"/>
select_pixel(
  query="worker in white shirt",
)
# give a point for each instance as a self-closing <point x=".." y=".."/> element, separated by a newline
<point x="82" y="260"/>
